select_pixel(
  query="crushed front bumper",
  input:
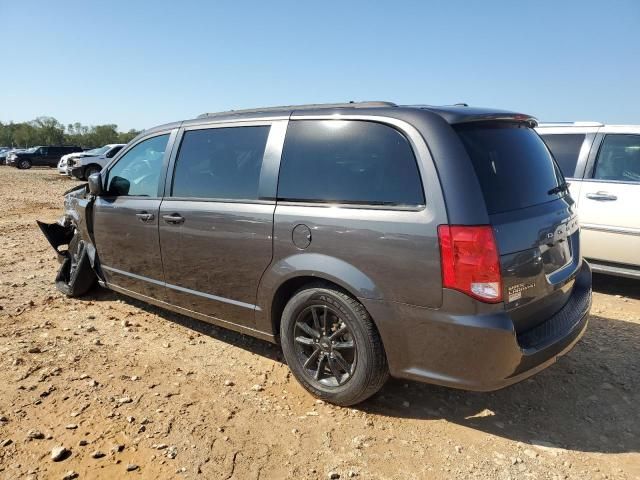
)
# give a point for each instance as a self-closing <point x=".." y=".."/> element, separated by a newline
<point x="57" y="234"/>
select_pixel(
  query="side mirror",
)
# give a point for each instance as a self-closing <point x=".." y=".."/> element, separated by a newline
<point x="95" y="184"/>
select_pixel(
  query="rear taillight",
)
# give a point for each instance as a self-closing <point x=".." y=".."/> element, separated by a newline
<point x="470" y="261"/>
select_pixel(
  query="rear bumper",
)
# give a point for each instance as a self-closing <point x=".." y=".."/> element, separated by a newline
<point x="481" y="351"/>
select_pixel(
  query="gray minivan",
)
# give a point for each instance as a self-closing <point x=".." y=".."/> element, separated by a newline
<point x="436" y="244"/>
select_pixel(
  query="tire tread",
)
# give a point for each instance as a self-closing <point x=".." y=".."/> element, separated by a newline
<point x="376" y="373"/>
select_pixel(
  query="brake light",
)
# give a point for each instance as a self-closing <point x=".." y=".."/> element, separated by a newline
<point x="470" y="261"/>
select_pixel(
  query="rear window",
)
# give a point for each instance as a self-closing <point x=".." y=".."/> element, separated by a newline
<point x="565" y="149"/>
<point x="513" y="165"/>
<point x="348" y="161"/>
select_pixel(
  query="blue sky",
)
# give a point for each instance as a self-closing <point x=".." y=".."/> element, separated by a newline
<point x="139" y="64"/>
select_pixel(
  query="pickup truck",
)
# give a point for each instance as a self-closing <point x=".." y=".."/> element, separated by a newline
<point x="42" y="156"/>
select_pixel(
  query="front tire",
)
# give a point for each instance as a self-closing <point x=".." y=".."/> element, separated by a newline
<point x="90" y="170"/>
<point x="24" y="164"/>
<point x="76" y="277"/>
<point x="332" y="346"/>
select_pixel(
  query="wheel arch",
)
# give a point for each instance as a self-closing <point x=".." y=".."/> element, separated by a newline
<point x="85" y="168"/>
<point x="284" y="278"/>
<point x="93" y="164"/>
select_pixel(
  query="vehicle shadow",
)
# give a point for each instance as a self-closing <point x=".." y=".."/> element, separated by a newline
<point x="626" y="287"/>
<point x="587" y="401"/>
<point x="254" y="345"/>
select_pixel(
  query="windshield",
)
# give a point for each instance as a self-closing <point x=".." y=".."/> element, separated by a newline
<point x="513" y="165"/>
<point x="97" y="151"/>
<point x="30" y="150"/>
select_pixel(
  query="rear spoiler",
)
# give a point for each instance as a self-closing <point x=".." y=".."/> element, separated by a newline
<point x="457" y="114"/>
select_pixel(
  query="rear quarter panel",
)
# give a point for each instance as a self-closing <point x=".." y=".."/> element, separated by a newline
<point x="374" y="253"/>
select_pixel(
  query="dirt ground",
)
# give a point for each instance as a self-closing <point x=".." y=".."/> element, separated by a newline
<point x="130" y="390"/>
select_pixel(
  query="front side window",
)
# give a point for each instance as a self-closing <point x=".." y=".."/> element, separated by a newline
<point x="566" y="150"/>
<point x="137" y="173"/>
<point x="222" y="163"/>
<point x="619" y="159"/>
<point x="348" y="161"/>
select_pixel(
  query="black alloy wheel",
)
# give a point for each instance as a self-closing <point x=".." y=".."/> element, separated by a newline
<point x="325" y="346"/>
<point x="332" y="346"/>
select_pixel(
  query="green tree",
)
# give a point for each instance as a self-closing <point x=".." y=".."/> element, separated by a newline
<point x="48" y="131"/>
<point x="25" y="135"/>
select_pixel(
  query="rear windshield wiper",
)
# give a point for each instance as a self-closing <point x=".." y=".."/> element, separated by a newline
<point x="563" y="187"/>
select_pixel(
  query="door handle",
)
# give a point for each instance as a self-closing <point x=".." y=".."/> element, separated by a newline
<point x="602" y="196"/>
<point x="174" y="218"/>
<point x="145" y="216"/>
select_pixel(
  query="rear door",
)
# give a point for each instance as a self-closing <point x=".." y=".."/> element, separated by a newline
<point x="53" y="155"/>
<point x="610" y="198"/>
<point x="534" y="221"/>
<point x="217" y="218"/>
<point x="39" y="157"/>
<point x="125" y="219"/>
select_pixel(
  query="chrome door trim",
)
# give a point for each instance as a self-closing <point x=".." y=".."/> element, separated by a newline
<point x="181" y="289"/>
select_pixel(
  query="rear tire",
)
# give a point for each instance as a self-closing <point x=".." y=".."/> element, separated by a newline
<point x="332" y="346"/>
<point x="76" y="277"/>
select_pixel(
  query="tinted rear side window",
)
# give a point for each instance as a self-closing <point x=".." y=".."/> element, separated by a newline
<point x="220" y="163"/>
<point x="565" y="149"/>
<point x="513" y="165"/>
<point x="348" y="161"/>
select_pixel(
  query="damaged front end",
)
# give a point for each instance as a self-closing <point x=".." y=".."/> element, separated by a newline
<point x="77" y="273"/>
<point x="58" y="234"/>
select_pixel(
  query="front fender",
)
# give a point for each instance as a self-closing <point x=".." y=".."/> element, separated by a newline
<point x="316" y="265"/>
<point x="75" y="221"/>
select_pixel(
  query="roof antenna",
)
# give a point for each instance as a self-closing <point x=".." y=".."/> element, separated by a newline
<point x="461" y="104"/>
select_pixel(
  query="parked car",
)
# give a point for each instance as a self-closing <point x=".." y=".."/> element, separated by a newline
<point x="92" y="161"/>
<point x="64" y="160"/>
<point x="602" y="163"/>
<point x="436" y="244"/>
<point x="62" y="164"/>
<point x="44" y="156"/>
<point x="4" y="154"/>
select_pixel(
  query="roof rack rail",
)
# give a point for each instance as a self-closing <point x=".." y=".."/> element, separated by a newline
<point x="571" y="124"/>
<point x="311" y="106"/>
